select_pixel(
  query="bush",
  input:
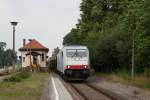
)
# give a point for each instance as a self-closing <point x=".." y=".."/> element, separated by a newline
<point x="18" y="77"/>
<point x="12" y="79"/>
<point x="23" y="75"/>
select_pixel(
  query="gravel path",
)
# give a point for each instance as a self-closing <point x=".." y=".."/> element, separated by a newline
<point x="3" y="77"/>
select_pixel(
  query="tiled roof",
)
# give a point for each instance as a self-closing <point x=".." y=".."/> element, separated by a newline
<point x="34" y="45"/>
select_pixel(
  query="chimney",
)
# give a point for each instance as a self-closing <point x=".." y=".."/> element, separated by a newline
<point x="24" y="42"/>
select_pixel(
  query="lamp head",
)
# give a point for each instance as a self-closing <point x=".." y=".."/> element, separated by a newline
<point x="14" y="23"/>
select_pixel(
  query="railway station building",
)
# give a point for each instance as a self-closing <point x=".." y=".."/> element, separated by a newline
<point x="33" y="56"/>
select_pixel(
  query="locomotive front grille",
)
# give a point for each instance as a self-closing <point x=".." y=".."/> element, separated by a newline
<point x="84" y="73"/>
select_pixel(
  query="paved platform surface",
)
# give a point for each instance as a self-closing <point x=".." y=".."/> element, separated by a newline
<point x="55" y="90"/>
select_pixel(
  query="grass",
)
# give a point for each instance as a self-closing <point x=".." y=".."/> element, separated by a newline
<point x="125" y="78"/>
<point x="27" y="89"/>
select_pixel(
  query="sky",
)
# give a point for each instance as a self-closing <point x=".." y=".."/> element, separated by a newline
<point x="47" y="21"/>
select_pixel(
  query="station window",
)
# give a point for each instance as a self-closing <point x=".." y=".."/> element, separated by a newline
<point x="23" y="59"/>
<point x="42" y="57"/>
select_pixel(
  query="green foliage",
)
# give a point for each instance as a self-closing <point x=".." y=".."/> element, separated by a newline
<point x="23" y="75"/>
<point x="52" y="62"/>
<point x="72" y="38"/>
<point x="124" y="74"/>
<point x="28" y="89"/>
<point x="18" y="77"/>
<point x="2" y="47"/>
<point x="107" y="28"/>
<point x="12" y="79"/>
<point x="6" y="56"/>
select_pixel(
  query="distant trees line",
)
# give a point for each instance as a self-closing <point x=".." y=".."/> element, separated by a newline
<point x="6" y="55"/>
<point x="108" y="27"/>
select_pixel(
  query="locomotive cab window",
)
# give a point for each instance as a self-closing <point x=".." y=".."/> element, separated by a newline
<point x="76" y="53"/>
<point x="82" y="53"/>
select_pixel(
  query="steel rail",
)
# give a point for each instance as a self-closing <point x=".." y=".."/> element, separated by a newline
<point x="107" y="93"/>
<point x="81" y="94"/>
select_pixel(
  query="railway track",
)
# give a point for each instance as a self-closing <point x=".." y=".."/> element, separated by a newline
<point x="88" y="92"/>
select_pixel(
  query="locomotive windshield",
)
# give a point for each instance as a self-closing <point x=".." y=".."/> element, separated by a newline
<point x="76" y="53"/>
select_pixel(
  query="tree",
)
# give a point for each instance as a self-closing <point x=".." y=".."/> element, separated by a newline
<point x="52" y="62"/>
<point x="6" y="56"/>
<point x="2" y="47"/>
<point x="106" y="27"/>
<point x="72" y="38"/>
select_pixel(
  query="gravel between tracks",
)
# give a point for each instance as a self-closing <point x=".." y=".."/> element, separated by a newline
<point x="122" y="91"/>
<point x="88" y="92"/>
<point x="84" y="91"/>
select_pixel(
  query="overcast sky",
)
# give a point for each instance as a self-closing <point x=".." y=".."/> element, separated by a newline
<point x="47" y="21"/>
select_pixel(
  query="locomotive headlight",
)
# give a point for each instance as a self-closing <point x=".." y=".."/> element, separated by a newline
<point x="85" y="67"/>
<point x="68" y="67"/>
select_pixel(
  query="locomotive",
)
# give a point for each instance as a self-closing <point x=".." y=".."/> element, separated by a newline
<point x="73" y="62"/>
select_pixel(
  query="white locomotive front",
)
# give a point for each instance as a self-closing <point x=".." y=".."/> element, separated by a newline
<point x="73" y="62"/>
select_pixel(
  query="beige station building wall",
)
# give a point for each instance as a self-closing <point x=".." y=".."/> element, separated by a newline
<point x="26" y="59"/>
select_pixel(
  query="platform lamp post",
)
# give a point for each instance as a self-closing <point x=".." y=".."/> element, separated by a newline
<point x="14" y="53"/>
